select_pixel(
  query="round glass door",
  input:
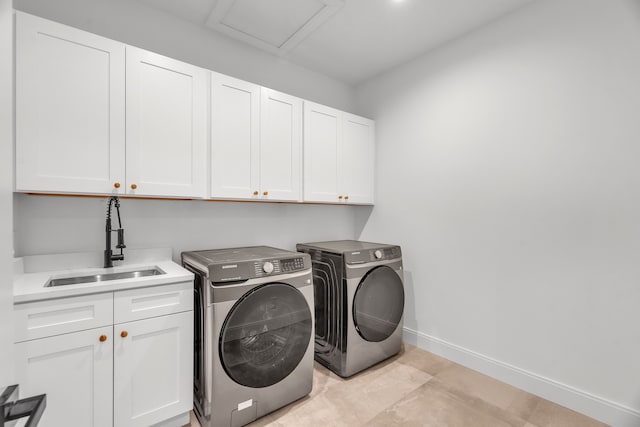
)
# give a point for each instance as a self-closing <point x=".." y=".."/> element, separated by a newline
<point x="265" y="335"/>
<point x="378" y="304"/>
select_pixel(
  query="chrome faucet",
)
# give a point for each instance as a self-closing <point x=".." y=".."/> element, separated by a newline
<point x="109" y="257"/>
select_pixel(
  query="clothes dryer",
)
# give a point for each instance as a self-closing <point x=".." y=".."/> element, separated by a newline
<point x="359" y="303"/>
<point x="253" y="331"/>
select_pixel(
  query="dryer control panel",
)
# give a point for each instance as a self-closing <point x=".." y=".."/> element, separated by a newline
<point x="384" y="253"/>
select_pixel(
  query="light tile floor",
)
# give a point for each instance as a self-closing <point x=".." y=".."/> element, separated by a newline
<point x="418" y="388"/>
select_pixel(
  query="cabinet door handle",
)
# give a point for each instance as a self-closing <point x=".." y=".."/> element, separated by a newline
<point x="102" y="338"/>
<point x="124" y="334"/>
<point x="340" y="197"/>
<point x="116" y="185"/>
<point x="346" y="197"/>
<point x="266" y="193"/>
<point x="134" y="186"/>
<point x="255" y="193"/>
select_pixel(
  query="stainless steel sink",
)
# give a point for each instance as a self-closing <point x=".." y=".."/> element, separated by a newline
<point x="104" y="277"/>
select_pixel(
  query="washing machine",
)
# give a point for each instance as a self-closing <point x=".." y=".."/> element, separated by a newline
<point x="253" y="329"/>
<point x="359" y="303"/>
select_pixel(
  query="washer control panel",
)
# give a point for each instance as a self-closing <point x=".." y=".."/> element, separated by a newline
<point x="279" y="266"/>
<point x="226" y="267"/>
<point x="369" y="255"/>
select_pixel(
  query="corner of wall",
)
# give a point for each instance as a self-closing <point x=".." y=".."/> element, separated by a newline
<point x="6" y="191"/>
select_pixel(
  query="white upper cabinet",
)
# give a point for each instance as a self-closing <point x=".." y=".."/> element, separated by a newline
<point x="70" y="100"/>
<point x="322" y="136"/>
<point x="339" y="151"/>
<point x="358" y="159"/>
<point x="166" y="126"/>
<point x="70" y="116"/>
<point x="256" y="137"/>
<point x="235" y="138"/>
<point x="94" y="116"/>
<point x="280" y="146"/>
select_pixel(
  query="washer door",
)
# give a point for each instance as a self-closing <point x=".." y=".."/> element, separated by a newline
<point x="378" y="304"/>
<point x="265" y="335"/>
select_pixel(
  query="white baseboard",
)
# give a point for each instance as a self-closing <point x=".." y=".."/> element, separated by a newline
<point x="593" y="406"/>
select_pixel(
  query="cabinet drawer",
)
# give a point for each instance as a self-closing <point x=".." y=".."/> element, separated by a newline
<point x="143" y="303"/>
<point x="60" y="316"/>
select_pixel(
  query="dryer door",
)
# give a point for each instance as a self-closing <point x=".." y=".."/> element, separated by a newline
<point x="265" y="335"/>
<point x="378" y="304"/>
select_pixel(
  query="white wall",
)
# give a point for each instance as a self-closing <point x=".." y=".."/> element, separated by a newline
<point x="45" y="224"/>
<point x="139" y="25"/>
<point x="6" y="186"/>
<point x="509" y="171"/>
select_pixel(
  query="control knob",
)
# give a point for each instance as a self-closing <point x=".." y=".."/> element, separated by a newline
<point x="267" y="267"/>
<point x="378" y="254"/>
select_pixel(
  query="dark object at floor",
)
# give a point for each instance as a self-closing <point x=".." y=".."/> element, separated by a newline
<point x="12" y="408"/>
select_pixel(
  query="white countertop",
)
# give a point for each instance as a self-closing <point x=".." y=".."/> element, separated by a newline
<point x="31" y="273"/>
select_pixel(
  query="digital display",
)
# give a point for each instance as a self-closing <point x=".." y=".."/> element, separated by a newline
<point x="292" y="264"/>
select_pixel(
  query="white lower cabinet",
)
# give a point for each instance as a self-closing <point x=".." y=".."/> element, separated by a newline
<point x="151" y="359"/>
<point x="134" y="373"/>
<point x="75" y="371"/>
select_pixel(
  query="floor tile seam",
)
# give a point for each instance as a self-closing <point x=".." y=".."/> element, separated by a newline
<point x="367" y="374"/>
<point x="432" y="372"/>
<point x="563" y="408"/>
<point x="443" y="381"/>
<point x="370" y="376"/>
<point x="333" y="380"/>
<point x="530" y="416"/>
<point x="380" y="374"/>
<point x="459" y="396"/>
<point x="533" y="412"/>
<point x="395" y="402"/>
<point x="327" y="386"/>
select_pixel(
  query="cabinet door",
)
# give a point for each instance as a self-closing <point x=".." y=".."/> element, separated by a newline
<point x="166" y="126"/>
<point x="280" y="145"/>
<point x="153" y="369"/>
<point x="357" y="155"/>
<point x="75" y="371"/>
<point x="70" y="109"/>
<point x="322" y="136"/>
<point x="235" y="138"/>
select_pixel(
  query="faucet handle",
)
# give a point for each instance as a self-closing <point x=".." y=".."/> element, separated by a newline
<point x="121" y="244"/>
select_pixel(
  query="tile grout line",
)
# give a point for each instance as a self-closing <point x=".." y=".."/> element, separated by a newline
<point x="366" y="423"/>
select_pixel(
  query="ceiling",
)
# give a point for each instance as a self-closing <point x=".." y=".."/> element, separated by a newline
<point x="350" y="40"/>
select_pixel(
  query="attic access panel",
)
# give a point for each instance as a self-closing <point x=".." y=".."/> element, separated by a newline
<point x="276" y="26"/>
